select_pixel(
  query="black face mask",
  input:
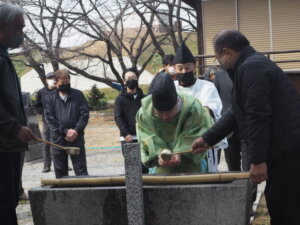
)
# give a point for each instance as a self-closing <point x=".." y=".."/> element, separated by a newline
<point x="64" y="88"/>
<point x="132" y="84"/>
<point x="186" y="79"/>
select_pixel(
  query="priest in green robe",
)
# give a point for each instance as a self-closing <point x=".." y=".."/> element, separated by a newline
<point x="168" y="120"/>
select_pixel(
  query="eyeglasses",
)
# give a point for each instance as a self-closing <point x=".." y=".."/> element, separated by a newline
<point x="217" y="58"/>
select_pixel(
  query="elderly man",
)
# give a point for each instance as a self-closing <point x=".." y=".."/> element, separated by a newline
<point x="14" y="134"/>
<point x="204" y="91"/>
<point x="266" y="109"/>
<point x="67" y="114"/>
<point x="168" y="120"/>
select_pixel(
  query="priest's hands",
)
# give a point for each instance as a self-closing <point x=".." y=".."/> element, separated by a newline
<point x="174" y="161"/>
<point x="199" y="145"/>
<point x="258" y="172"/>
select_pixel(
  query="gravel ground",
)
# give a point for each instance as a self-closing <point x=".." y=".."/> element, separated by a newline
<point x="100" y="162"/>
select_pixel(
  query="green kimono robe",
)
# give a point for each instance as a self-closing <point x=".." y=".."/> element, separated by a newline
<point x="177" y="135"/>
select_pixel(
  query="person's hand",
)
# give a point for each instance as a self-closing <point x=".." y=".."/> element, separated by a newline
<point x="258" y="172"/>
<point x="71" y="135"/>
<point x="128" y="138"/>
<point x="199" y="145"/>
<point x="25" y="134"/>
<point x="175" y="160"/>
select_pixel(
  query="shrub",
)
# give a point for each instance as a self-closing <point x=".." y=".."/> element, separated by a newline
<point x="96" y="99"/>
<point x="33" y="98"/>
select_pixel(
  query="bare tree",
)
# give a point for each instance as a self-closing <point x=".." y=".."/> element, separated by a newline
<point x="176" y="17"/>
<point x="105" y="21"/>
<point x="106" y="25"/>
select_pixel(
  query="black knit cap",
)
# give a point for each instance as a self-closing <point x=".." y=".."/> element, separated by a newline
<point x="164" y="95"/>
<point x="183" y="55"/>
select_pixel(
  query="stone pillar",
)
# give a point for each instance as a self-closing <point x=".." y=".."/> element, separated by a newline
<point x="134" y="184"/>
<point x="35" y="147"/>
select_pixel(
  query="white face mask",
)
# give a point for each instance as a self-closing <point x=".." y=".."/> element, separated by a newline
<point x="51" y="83"/>
<point x="171" y="70"/>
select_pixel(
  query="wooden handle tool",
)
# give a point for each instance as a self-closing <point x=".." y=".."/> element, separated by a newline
<point x="50" y="143"/>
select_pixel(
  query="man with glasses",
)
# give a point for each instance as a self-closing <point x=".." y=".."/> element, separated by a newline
<point x="265" y="108"/>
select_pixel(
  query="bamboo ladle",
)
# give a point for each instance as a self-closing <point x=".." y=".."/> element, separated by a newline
<point x="167" y="154"/>
<point x="69" y="150"/>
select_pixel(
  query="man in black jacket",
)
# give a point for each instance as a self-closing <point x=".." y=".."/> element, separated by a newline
<point x="40" y="101"/>
<point x="126" y="106"/>
<point x="266" y="109"/>
<point x="14" y="134"/>
<point x="67" y="114"/>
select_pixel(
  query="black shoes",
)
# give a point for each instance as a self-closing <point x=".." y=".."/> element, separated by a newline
<point x="23" y="197"/>
<point x="46" y="169"/>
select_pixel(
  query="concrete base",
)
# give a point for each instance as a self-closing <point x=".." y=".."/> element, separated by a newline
<point x="203" y="204"/>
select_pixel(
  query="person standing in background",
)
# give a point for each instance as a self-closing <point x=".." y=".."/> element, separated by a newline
<point x="233" y="156"/>
<point x="67" y="114"/>
<point x="126" y="106"/>
<point x="40" y="101"/>
<point x="184" y="64"/>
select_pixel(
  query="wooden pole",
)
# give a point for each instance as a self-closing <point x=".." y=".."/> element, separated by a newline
<point x="200" y="38"/>
<point x="149" y="180"/>
<point x="50" y="143"/>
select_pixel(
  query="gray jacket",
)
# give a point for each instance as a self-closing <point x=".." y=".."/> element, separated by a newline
<point x="12" y="114"/>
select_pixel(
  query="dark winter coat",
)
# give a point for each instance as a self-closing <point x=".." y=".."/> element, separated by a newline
<point x="41" y="99"/>
<point x="12" y="114"/>
<point x="61" y="116"/>
<point x="265" y="107"/>
<point x="125" y="110"/>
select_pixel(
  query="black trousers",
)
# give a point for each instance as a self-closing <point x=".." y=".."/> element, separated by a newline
<point x="283" y="190"/>
<point x="46" y="147"/>
<point x="60" y="162"/>
<point x="236" y="152"/>
<point x="9" y="187"/>
<point x="145" y="170"/>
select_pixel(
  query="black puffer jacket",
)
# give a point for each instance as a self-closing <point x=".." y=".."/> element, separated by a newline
<point x="125" y="110"/>
<point x="266" y="108"/>
<point x="12" y="114"/>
